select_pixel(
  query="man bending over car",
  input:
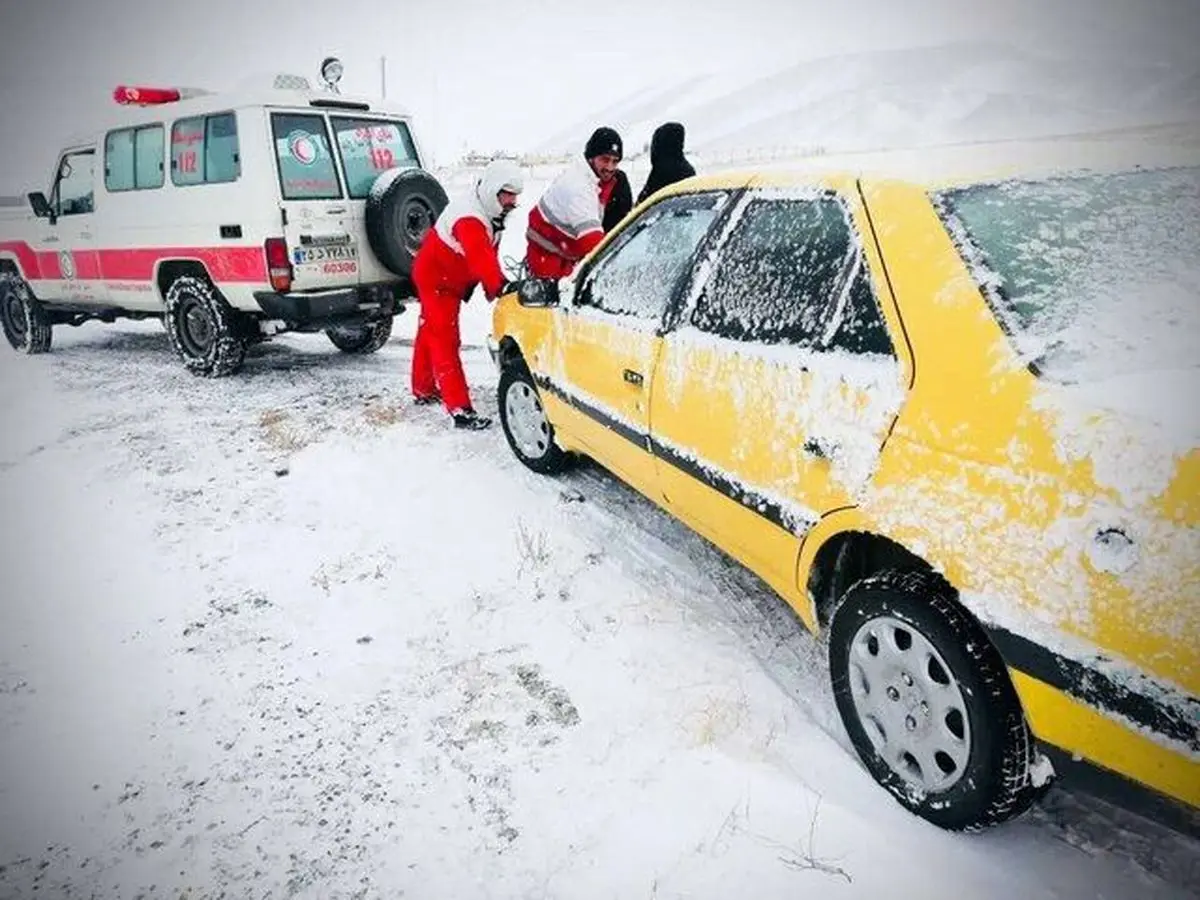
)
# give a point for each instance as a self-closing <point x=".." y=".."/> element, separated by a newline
<point x="458" y="253"/>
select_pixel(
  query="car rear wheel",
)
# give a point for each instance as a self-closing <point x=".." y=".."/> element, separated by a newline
<point x="202" y="328"/>
<point x="361" y="339"/>
<point x="927" y="702"/>
<point x="26" y="325"/>
<point x="528" y="431"/>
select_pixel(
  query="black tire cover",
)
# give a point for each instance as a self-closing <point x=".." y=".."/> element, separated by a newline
<point x="402" y="206"/>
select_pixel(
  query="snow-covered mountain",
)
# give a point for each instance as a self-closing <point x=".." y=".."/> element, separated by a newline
<point x="901" y="98"/>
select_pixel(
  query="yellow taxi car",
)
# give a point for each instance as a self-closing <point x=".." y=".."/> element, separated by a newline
<point x="947" y="422"/>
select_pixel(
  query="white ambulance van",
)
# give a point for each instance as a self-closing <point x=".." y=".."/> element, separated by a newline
<point x="233" y="217"/>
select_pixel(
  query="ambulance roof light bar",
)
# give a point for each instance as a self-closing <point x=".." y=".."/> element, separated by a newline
<point x="128" y="95"/>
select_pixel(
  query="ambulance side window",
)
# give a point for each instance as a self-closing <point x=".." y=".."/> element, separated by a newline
<point x="118" y="161"/>
<point x="73" y="191"/>
<point x="133" y="159"/>
<point x="204" y="150"/>
<point x="222" y="161"/>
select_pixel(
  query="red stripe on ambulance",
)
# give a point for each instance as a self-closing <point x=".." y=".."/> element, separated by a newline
<point x="224" y="264"/>
<point x="27" y="259"/>
<point x="87" y="265"/>
<point x="241" y="265"/>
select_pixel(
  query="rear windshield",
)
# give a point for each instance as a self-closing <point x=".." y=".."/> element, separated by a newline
<point x="1093" y="276"/>
<point x="369" y="147"/>
<point x="306" y="167"/>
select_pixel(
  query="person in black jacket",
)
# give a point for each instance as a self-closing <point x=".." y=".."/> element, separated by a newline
<point x="667" y="162"/>
<point x="619" y="203"/>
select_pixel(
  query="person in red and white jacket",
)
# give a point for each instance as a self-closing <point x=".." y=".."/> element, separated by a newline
<point x="568" y="221"/>
<point x="457" y="254"/>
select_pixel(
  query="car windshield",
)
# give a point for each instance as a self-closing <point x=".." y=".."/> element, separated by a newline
<point x="1093" y="276"/>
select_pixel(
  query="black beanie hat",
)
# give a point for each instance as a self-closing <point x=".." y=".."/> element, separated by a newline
<point x="603" y="140"/>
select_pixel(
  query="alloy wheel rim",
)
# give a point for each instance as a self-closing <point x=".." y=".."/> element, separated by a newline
<point x="909" y="704"/>
<point x="527" y="421"/>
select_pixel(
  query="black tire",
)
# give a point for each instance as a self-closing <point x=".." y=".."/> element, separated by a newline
<point x="361" y="339"/>
<point x="517" y="386"/>
<point x="26" y="324"/>
<point x="401" y="207"/>
<point x="994" y="783"/>
<point x="203" y="329"/>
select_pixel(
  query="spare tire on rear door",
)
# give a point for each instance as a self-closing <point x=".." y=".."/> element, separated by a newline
<point x="403" y="204"/>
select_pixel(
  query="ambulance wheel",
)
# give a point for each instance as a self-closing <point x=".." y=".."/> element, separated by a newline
<point x="361" y="339"/>
<point x="202" y="328"/>
<point x="402" y="206"/>
<point x="26" y="325"/>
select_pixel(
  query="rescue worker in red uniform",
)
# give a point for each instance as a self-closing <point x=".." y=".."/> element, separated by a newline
<point x="458" y="253"/>
<point x="568" y="222"/>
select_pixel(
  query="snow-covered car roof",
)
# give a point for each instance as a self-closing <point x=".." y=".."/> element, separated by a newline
<point x="958" y="164"/>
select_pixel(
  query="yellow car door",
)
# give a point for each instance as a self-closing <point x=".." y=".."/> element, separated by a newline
<point x="778" y="380"/>
<point x="611" y="330"/>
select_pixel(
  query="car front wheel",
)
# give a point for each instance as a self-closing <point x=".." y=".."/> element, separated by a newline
<point x="927" y="702"/>
<point x="530" y="434"/>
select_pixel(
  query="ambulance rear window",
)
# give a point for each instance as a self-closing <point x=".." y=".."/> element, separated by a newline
<point x="369" y="147"/>
<point x="306" y="167"/>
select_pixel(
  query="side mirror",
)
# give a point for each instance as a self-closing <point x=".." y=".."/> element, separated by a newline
<point x="41" y="206"/>
<point x="538" y="292"/>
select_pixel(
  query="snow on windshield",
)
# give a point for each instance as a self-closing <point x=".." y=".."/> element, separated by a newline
<point x="1094" y="276"/>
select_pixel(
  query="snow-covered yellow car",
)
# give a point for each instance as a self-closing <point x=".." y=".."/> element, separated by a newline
<point x="953" y="424"/>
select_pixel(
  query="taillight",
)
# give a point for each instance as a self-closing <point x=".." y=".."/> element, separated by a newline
<point x="279" y="266"/>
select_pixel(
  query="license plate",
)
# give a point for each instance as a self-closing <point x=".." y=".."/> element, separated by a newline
<point x="330" y="253"/>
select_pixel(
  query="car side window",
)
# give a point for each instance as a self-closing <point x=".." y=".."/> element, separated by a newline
<point x="639" y="274"/>
<point x="74" y="191"/>
<point x="781" y="274"/>
<point x="862" y="329"/>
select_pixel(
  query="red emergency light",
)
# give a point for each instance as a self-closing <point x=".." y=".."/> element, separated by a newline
<point x="144" y="96"/>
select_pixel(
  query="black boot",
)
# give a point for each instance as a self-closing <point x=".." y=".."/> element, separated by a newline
<point x="468" y="418"/>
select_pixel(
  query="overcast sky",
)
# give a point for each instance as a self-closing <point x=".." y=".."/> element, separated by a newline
<point x="491" y="73"/>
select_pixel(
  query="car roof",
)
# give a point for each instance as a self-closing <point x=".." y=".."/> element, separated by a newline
<point x="947" y="166"/>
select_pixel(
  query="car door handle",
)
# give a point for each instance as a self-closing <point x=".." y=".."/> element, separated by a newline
<point x="336" y="210"/>
<point x="633" y="377"/>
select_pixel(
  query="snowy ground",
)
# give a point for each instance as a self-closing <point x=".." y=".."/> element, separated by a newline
<point x="409" y="667"/>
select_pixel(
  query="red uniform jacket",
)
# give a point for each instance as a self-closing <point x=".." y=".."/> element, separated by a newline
<point x="459" y="252"/>
<point x="567" y="222"/>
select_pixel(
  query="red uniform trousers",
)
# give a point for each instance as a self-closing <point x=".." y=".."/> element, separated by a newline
<point x="436" y="364"/>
